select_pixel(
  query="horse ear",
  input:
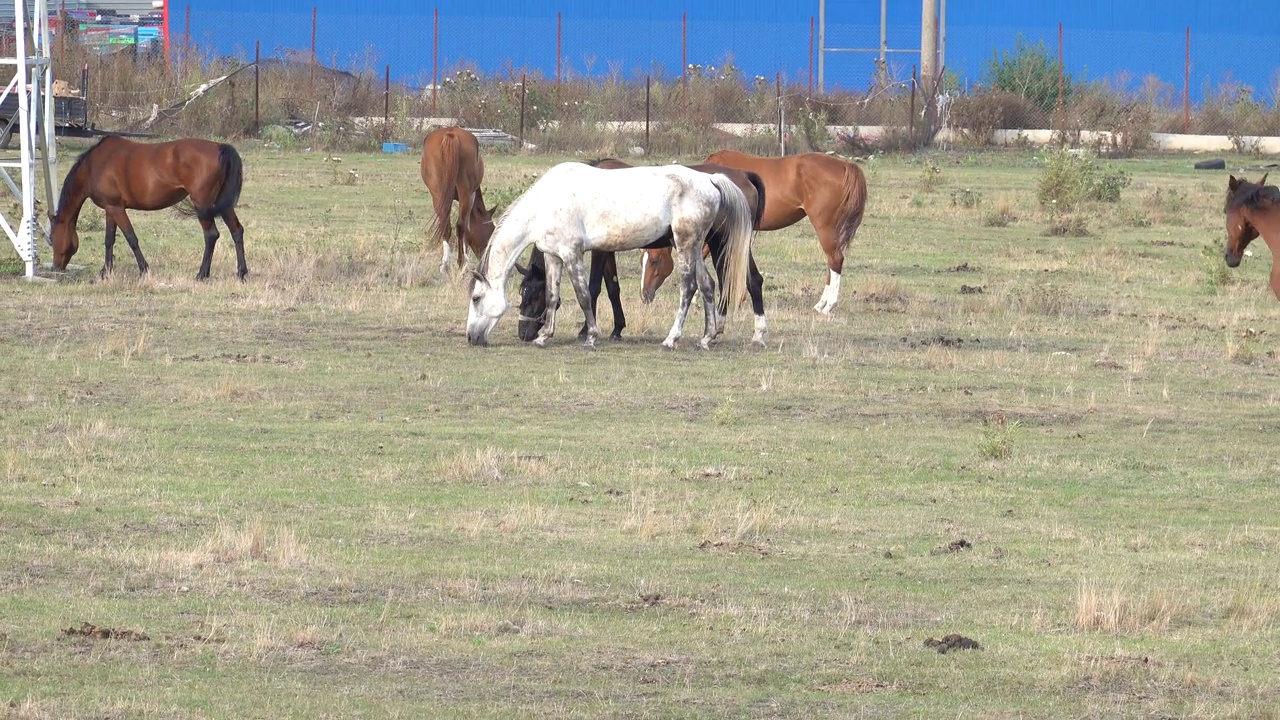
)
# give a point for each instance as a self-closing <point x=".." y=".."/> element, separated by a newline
<point x="1232" y="182"/>
<point x="476" y="277"/>
<point x="522" y="270"/>
<point x="1263" y="181"/>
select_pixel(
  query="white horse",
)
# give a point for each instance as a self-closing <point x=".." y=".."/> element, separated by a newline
<point x="574" y="208"/>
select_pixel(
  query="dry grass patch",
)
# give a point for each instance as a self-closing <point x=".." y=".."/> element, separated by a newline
<point x="490" y="465"/>
<point x="1254" y="606"/>
<point x="1114" y="610"/>
<point x="231" y="546"/>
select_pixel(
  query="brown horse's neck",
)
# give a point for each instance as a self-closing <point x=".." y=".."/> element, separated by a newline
<point x="1267" y="223"/>
<point x="75" y="191"/>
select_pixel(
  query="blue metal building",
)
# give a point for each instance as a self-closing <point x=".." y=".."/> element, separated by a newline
<point x="1126" y="41"/>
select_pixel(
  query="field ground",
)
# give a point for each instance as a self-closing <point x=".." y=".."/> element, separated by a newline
<point x="306" y="496"/>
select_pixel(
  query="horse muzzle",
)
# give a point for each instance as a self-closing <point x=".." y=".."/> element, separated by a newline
<point x="1231" y="260"/>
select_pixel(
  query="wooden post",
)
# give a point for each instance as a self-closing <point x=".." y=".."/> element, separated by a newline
<point x="186" y="41"/>
<point x="524" y="81"/>
<point x="1061" y="110"/>
<point x="313" y="49"/>
<point x="257" y="67"/>
<point x="1186" y="87"/>
<point x="782" y="138"/>
<point x="911" y="115"/>
<point x="386" y="104"/>
<point x="559" y="53"/>
<point x="648" y="83"/>
<point x="435" y="63"/>
<point x="810" y="56"/>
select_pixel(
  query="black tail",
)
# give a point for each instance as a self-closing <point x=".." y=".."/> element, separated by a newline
<point x="755" y="180"/>
<point x="232" y="171"/>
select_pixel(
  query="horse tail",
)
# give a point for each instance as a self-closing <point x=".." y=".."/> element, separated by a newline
<point x="231" y="169"/>
<point x="852" y="205"/>
<point x="737" y="228"/>
<point x="448" y="188"/>
<point x="756" y="180"/>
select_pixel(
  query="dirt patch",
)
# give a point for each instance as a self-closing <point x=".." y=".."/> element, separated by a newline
<point x="954" y="641"/>
<point x="90" y="630"/>
<point x="244" y="358"/>
<point x="963" y="267"/>
<point x="937" y="340"/>
<point x="858" y="687"/>
<point x="972" y="289"/>
<point x="954" y="546"/>
<point x="734" y="547"/>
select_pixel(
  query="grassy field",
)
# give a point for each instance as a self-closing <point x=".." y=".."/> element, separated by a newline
<point x="306" y="496"/>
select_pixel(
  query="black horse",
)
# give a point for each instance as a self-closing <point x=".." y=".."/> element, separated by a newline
<point x="604" y="266"/>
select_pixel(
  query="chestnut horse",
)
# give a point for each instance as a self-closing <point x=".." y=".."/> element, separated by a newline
<point x="119" y="174"/>
<point x="452" y="170"/>
<point x="1253" y="209"/>
<point x="604" y="264"/>
<point x="830" y="191"/>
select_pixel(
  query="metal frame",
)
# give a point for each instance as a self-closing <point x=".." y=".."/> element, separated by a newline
<point x="32" y="80"/>
<point x="883" y="49"/>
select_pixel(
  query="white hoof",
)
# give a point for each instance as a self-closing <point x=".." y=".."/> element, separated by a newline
<point x="705" y="343"/>
<point x="540" y="341"/>
<point x="759" y="338"/>
<point x="669" y="343"/>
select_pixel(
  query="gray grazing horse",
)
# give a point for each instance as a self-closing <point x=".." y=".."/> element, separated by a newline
<point x="574" y="208"/>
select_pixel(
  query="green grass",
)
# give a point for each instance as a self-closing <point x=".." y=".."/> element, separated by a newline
<point x="317" y="501"/>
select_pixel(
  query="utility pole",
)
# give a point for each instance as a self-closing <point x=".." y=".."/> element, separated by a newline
<point x="928" y="46"/>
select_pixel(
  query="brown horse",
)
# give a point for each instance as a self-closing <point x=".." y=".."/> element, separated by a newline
<point x="119" y="174"/>
<point x="1253" y="209"/>
<point x="830" y="191"/>
<point x="453" y="170"/>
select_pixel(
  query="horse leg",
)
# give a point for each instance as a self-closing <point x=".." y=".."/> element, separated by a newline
<point x="554" y="266"/>
<point x="109" y="243"/>
<point x="210" y="240"/>
<point x="835" y="264"/>
<point x="578" y="276"/>
<point x="118" y="216"/>
<point x="593" y="286"/>
<point x="713" y="321"/>
<point x="615" y="295"/>
<point x="688" y="286"/>
<point x="1275" y="278"/>
<point x="755" y="287"/>
<point x="714" y="242"/>
<point x="237" y="237"/>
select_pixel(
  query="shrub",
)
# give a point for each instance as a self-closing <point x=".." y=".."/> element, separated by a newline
<point x="977" y="116"/>
<point x="1030" y="73"/>
<point x="1071" y="177"/>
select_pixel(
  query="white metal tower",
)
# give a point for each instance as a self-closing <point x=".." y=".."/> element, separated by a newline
<point x="31" y="83"/>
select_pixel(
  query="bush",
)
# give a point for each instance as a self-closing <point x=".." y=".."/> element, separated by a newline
<point x="977" y="116"/>
<point x="1071" y="177"/>
<point x="1030" y="73"/>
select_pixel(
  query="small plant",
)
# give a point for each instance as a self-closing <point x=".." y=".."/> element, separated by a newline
<point x="1217" y="274"/>
<point x="965" y="198"/>
<point x="1002" y="215"/>
<point x="997" y="438"/>
<point x="1068" y="225"/>
<point x="929" y="176"/>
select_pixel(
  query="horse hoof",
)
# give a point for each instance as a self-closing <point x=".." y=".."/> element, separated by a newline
<point x="540" y="342"/>
<point x="616" y="337"/>
<point x="589" y="344"/>
<point x="669" y="344"/>
<point x="759" y="339"/>
<point x="704" y="343"/>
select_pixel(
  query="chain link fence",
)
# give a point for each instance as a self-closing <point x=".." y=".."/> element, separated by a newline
<point x="579" y="82"/>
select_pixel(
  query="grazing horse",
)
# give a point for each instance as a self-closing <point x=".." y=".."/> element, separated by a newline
<point x="1253" y="209"/>
<point x="453" y="170"/>
<point x="574" y="208"/>
<point x="604" y="264"/>
<point x="830" y="191"/>
<point x="119" y="174"/>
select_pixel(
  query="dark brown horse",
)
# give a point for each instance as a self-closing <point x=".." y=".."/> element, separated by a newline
<point x="604" y="264"/>
<point x="1253" y="209"/>
<point x="119" y="174"/>
<point x="453" y="170"/>
<point x="830" y="191"/>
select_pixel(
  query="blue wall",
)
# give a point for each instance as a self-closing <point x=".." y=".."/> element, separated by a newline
<point x="1103" y="39"/>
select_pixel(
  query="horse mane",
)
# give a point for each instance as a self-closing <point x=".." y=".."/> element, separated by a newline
<point x="1251" y="195"/>
<point x="64" y="195"/>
